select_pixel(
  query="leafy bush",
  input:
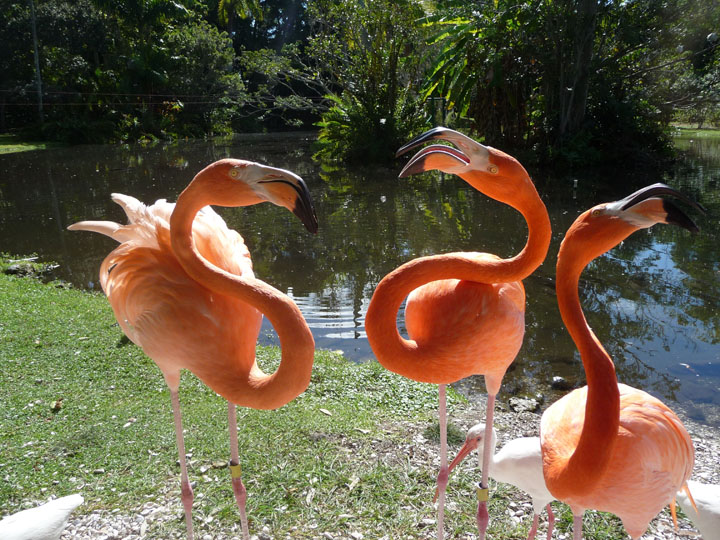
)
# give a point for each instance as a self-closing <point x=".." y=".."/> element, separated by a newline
<point x="372" y="57"/>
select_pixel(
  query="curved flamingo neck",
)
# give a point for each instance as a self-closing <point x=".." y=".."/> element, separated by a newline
<point x="584" y="468"/>
<point x="293" y="375"/>
<point x="530" y="205"/>
<point x="381" y="317"/>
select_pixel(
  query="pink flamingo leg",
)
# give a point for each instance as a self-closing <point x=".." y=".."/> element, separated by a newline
<point x="185" y="487"/>
<point x="482" y="514"/>
<point x="534" y="528"/>
<point x="238" y="486"/>
<point x="551" y="521"/>
<point x="442" y="478"/>
<point x="577" y="527"/>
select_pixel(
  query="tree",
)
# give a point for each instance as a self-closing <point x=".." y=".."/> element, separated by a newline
<point x="485" y="66"/>
<point x="692" y="80"/>
<point x="582" y="80"/>
<point x="36" y="55"/>
<point x="209" y="91"/>
<point x="230" y="10"/>
<point x="369" y="54"/>
<point x="120" y="70"/>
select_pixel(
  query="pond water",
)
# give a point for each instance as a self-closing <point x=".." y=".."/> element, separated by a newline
<point x="654" y="301"/>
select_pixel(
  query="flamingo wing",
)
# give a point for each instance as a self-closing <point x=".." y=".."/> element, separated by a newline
<point x="475" y="328"/>
<point x="652" y="458"/>
<point x="175" y="320"/>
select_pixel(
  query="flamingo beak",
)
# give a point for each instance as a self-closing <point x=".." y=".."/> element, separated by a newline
<point x="466" y="449"/>
<point x="437" y="156"/>
<point x="441" y="133"/>
<point x="667" y="211"/>
<point x="289" y="190"/>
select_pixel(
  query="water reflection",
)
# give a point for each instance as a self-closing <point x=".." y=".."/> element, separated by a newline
<point x="654" y="301"/>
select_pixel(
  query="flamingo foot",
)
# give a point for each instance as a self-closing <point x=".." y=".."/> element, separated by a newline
<point x="551" y="521"/>
<point x="534" y="527"/>
<point x="240" y="497"/>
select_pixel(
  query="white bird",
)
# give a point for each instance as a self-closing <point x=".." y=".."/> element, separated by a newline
<point x="519" y="463"/>
<point x="44" y="522"/>
<point x="707" y="500"/>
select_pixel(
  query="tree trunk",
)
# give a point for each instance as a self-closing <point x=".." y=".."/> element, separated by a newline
<point x="38" y="80"/>
<point x="574" y="97"/>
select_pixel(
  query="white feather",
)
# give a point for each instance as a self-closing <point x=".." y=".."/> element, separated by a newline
<point x="45" y="522"/>
<point x="707" y="499"/>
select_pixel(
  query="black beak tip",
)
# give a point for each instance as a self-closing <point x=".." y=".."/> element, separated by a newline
<point x="309" y="219"/>
<point x="675" y="216"/>
<point x="304" y="208"/>
<point x="314" y="227"/>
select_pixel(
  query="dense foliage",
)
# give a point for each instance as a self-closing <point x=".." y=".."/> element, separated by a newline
<point x="573" y="80"/>
<point x="369" y="54"/>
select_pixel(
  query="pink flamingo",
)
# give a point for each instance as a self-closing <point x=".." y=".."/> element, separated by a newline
<point x="465" y="312"/>
<point x="181" y="286"/>
<point x="608" y="446"/>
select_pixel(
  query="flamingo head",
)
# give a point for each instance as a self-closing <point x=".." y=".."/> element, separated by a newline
<point x="474" y="439"/>
<point x="604" y="226"/>
<point x="489" y="170"/>
<point x="235" y="182"/>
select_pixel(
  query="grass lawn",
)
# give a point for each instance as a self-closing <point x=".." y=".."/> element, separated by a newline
<point x="83" y="410"/>
<point x="10" y="143"/>
<point x="684" y="130"/>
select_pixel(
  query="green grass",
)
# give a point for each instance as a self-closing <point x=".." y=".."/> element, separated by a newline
<point x="704" y="133"/>
<point x="10" y="144"/>
<point x="339" y="458"/>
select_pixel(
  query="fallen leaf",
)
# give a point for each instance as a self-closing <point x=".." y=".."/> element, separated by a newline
<point x="353" y="482"/>
<point x="309" y="497"/>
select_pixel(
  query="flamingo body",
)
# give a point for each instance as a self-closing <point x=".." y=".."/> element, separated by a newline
<point x="181" y="286"/>
<point x="608" y="446"/>
<point x="465" y="312"/>
<point x="177" y="321"/>
<point x="651" y="459"/>
<point x="44" y="522"/>
<point x="476" y="328"/>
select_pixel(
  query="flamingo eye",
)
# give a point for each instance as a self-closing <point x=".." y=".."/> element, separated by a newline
<point x="596" y="212"/>
<point x="492" y="169"/>
<point x="234" y="173"/>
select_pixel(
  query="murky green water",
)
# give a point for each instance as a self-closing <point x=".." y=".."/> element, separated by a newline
<point x="654" y="301"/>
